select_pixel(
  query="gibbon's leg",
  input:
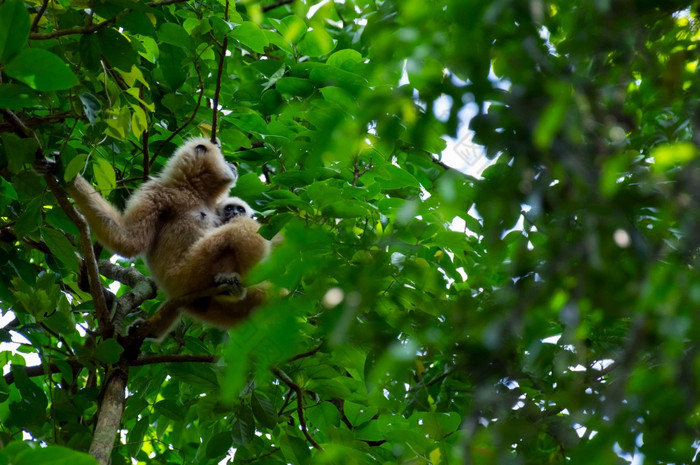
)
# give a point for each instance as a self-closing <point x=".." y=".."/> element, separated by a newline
<point x="232" y="248"/>
<point x="220" y="256"/>
<point x="221" y="310"/>
<point x="129" y="234"/>
<point x="227" y="311"/>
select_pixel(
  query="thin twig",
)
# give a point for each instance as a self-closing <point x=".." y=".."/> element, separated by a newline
<point x="357" y="174"/>
<point x="38" y="16"/>
<point x="90" y="28"/>
<point x="144" y="141"/>
<point x="50" y="118"/>
<point x="215" y="106"/>
<point x="267" y="8"/>
<point x="186" y="123"/>
<point x="304" y="355"/>
<point x="300" y="404"/>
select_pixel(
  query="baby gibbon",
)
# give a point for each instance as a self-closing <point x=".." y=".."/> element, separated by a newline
<point x="172" y="219"/>
<point x="232" y="207"/>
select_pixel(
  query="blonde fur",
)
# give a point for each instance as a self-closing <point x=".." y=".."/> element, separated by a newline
<point x="172" y="220"/>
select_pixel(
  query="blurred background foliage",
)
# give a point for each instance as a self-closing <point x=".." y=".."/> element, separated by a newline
<point x="543" y="311"/>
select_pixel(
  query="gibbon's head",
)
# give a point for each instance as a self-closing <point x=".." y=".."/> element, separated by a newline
<point x="200" y="165"/>
<point x="232" y="207"/>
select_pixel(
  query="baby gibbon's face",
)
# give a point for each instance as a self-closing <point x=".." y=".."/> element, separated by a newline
<point x="233" y="207"/>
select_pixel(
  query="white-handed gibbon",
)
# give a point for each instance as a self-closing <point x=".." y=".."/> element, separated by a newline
<point x="232" y="207"/>
<point x="172" y="219"/>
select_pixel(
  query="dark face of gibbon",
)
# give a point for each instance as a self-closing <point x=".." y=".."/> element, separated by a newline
<point x="233" y="207"/>
<point x="232" y="210"/>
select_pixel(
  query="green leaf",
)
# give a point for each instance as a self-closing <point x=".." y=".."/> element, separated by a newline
<point x="90" y="50"/>
<point x="346" y="59"/>
<point x="31" y="393"/>
<point x="199" y="375"/>
<point x="244" y="426"/>
<point x="669" y="155"/>
<point x="139" y="121"/>
<point x="174" y="34"/>
<point x="91" y="106"/>
<point x="291" y="27"/>
<point x="339" y="97"/>
<point x="358" y="414"/>
<point x="250" y="35"/>
<point x="263" y="410"/>
<point x="249" y="122"/>
<point x="169" y="409"/>
<point x="553" y="116"/>
<point x="219" y="445"/>
<point x="393" y="177"/>
<point x="61" y="323"/>
<point x="41" y="70"/>
<point x="108" y="351"/>
<point x="54" y="455"/>
<point x="170" y="64"/>
<point x="323" y="416"/>
<point x="14" y="29"/>
<point x="120" y="126"/>
<point x="117" y="49"/>
<point x="295" y="86"/>
<point x="30" y="219"/>
<point x="295" y="449"/>
<point x="20" y="152"/>
<point x="16" y="97"/>
<point x="316" y="43"/>
<point x="61" y="247"/>
<point x="105" y="177"/>
<point x="74" y="167"/>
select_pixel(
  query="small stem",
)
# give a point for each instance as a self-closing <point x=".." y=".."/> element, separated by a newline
<point x="300" y="404"/>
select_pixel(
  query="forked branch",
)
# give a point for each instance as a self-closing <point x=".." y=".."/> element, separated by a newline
<point x="300" y="404"/>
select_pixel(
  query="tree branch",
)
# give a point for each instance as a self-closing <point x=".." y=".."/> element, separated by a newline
<point x="98" y="297"/>
<point x="90" y="27"/>
<point x="217" y="91"/>
<point x="40" y="370"/>
<point x="300" y="404"/>
<point x="173" y="358"/>
<point x="110" y="415"/>
<point x="304" y="355"/>
<point x="38" y="16"/>
<point x="357" y="174"/>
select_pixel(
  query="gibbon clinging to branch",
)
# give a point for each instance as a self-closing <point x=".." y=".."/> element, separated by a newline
<point x="172" y="219"/>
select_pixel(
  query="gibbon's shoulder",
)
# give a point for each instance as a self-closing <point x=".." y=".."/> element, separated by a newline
<point x="162" y="195"/>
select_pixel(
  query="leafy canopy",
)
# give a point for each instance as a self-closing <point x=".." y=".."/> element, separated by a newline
<point x="559" y="325"/>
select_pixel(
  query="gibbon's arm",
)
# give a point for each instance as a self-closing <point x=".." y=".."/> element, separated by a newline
<point x="127" y="235"/>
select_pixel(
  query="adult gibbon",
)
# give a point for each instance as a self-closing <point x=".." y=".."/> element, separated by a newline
<point x="172" y="219"/>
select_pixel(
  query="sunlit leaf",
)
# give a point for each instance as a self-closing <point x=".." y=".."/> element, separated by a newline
<point x="14" y="29"/>
<point x="41" y="70"/>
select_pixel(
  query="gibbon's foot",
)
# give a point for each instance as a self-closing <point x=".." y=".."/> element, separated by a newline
<point x="233" y="284"/>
